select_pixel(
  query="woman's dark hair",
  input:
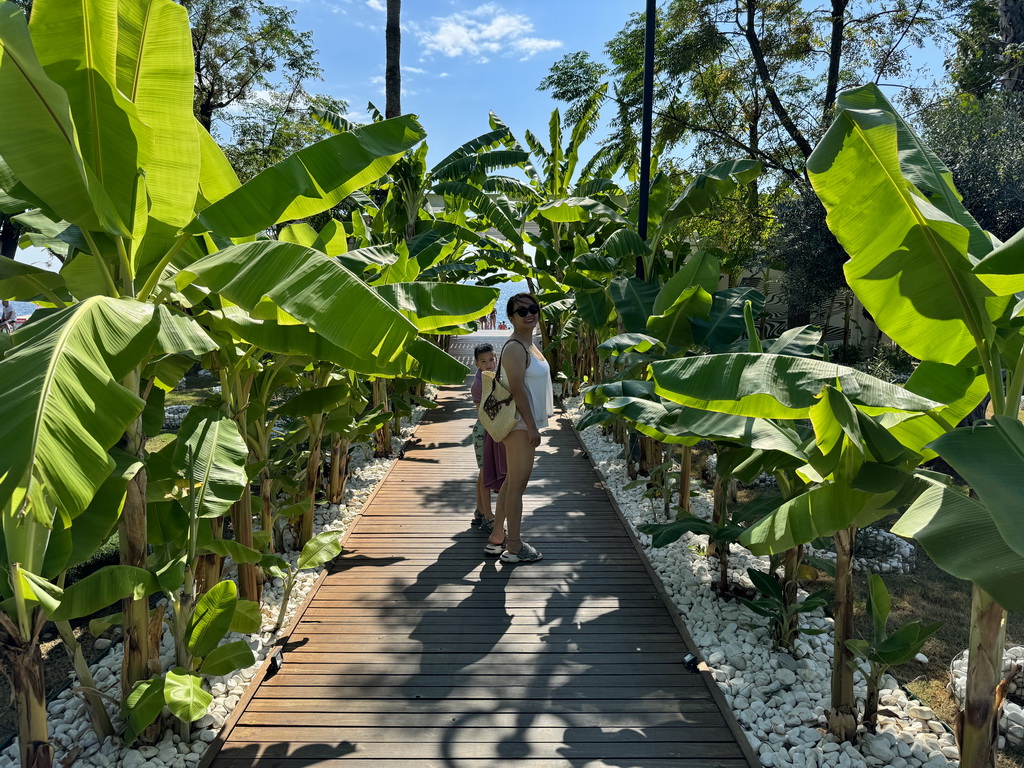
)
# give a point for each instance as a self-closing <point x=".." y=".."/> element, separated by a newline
<point x="481" y="349"/>
<point x="510" y="307"/>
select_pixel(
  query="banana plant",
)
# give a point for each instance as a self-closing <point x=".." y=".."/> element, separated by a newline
<point x="945" y="291"/>
<point x="867" y="442"/>
<point x="882" y="650"/>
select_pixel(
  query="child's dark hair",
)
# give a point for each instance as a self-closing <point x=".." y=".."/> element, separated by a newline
<point x="510" y="307"/>
<point x="481" y="349"/>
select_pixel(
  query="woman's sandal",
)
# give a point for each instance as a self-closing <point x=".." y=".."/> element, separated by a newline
<point x="526" y="554"/>
<point x="478" y="517"/>
<point x="495" y="549"/>
<point x="487" y="525"/>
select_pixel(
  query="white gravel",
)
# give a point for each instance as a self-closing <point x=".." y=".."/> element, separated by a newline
<point x="75" y="743"/>
<point x="780" y="700"/>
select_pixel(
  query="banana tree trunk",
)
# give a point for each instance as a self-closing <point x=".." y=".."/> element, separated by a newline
<point x="685" y="473"/>
<point x="241" y="521"/>
<point x="24" y="662"/>
<point x="790" y="583"/>
<point x="316" y="434"/>
<point x="339" y="467"/>
<point x="719" y="516"/>
<point x="842" y="719"/>
<point x="132" y="535"/>
<point x="382" y="437"/>
<point x="978" y="725"/>
<point x="267" y="497"/>
<point x="94" y="704"/>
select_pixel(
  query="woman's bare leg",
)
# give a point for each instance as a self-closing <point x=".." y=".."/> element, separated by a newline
<point x="519" y="455"/>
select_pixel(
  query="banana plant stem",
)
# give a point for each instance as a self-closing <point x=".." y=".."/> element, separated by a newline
<point x="158" y="270"/>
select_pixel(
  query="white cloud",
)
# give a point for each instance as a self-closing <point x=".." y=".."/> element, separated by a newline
<point x="443" y="74"/>
<point x="414" y="70"/>
<point x="486" y="29"/>
<point x="376" y="5"/>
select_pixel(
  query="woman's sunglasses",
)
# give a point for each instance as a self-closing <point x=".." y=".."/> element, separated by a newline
<point x="533" y="309"/>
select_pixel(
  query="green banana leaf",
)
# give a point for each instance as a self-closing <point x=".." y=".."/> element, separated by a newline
<point x="297" y="340"/>
<point x="629" y="342"/>
<point x="141" y="707"/>
<point x="671" y="423"/>
<point x="1001" y="269"/>
<point x="990" y="457"/>
<point x="430" y="306"/>
<point x="434" y="365"/>
<point x="961" y="536"/>
<point x="24" y="282"/>
<point x="67" y="411"/>
<point x="313" y="402"/>
<point x="225" y="659"/>
<point x="909" y="261"/>
<point x="773" y="386"/>
<point x="114" y="141"/>
<point x="483" y="204"/>
<point x="308" y="286"/>
<point x="155" y="75"/>
<point x="802" y="341"/>
<point x="38" y="140"/>
<point x="320" y="549"/>
<point x="634" y="301"/>
<point x="725" y="323"/>
<point x="211" y="619"/>
<point x="185" y="696"/>
<point x="103" y="588"/>
<point x="312" y="180"/>
<point x="210" y="442"/>
<point x="674" y="326"/>
<point x="217" y="179"/>
<point x="709" y="186"/>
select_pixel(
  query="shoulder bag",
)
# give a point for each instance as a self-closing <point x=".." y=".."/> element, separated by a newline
<point x="497" y="410"/>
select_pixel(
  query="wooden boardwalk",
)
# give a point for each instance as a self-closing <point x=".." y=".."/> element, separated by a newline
<point x="417" y="649"/>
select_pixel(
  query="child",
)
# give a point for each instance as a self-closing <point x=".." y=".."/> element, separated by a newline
<point x="490" y="456"/>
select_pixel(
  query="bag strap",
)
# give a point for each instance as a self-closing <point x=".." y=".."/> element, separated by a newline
<point x="517" y="341"/>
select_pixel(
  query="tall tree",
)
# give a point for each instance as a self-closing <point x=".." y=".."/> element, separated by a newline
<point x="393" y="60"/>
<point x="239" y="47"/>
<point x="1011" y="27"/>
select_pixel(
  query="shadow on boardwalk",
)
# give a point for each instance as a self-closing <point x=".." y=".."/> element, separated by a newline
<point x="420" y="650"/>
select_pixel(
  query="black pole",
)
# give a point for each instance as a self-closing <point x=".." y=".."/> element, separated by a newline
<point x="645" y="129"/>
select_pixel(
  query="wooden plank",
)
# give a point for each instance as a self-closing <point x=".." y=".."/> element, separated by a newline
<point x="508" y="692"/>
<point x="253" y="757"/>
<point x="485" y="719"/>
<point x="457" y="706"/>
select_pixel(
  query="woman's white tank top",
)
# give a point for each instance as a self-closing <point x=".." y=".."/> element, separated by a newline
<point x="538" y="388"/>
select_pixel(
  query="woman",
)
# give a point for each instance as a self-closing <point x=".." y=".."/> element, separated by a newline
<point x="528" y="376"/>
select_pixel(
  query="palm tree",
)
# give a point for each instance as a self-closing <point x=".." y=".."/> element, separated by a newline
<point x="392" y="58"/>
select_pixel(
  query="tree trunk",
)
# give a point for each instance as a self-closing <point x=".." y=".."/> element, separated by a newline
<point x="1011" y="29"/>
<point x="978" y="725"/>
<point x="392" y="60"/>
<point x="25" y="661"/>
<point x="382" y="437"/>
<point x="842" y="719"/>
<point x="835" y="55"/>
<point x="685" y="473"/>
<point x="133" y="538"/>
<point x="241" y="521"/>
<point x="316" y="436"/>
<point x="339" y="468"/>
<point x="790" y="583"/>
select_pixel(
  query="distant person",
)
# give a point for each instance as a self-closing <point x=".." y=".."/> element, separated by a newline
<point x="492" y="320"/>
<point x="490" y="456"/>
<point x="8" y="318"/>
<point x="528" y="375"/>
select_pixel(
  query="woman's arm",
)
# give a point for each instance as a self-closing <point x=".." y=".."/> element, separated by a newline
<point x="515" y="358"/>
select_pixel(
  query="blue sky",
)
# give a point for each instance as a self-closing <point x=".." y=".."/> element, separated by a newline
<point x="459" y="59"/>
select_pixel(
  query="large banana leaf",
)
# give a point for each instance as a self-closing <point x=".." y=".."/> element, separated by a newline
<point x="820" y="512"/>
<point x="297" y="340"/>
<point x="1002" y="269"/>
<point x="773" y="386"/>
<point x="64" y="409"/>
<point x="725" y="323"/>
<point x="210" y="447"/>
<point x="634" y="301"/>
<point x="990" y="457"/>
<point x="961" y="536"/>
<point x="311" y="180"/>
<point x="671" y="423"/>
<point x="37" y="139"/>
<point x="310" y="287"/>
<point x="909" y="261"/>
<point x="430" y="306"/>
<point x="435" y="365"/>
<point x="707" y="187"/>
<point x="479" y="201"/>
<point x="674" y="325"/>
<point x="23" y="282"/>
<point x="155" y="70"/>
<point x="77" y="48"/>
<point x="217" y="179"/>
